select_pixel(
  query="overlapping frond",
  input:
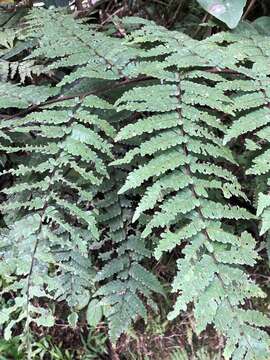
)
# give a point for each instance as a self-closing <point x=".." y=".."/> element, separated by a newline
<point x="125" y="282"/>
<point x="252" y="117"/>
<point x="62" y="151"/>
<point x="69" y="43"/>
<point x="183" y="167"/>
<point x="152" y="106"/>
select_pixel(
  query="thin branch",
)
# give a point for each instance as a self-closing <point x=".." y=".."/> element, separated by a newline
<point x="69" y="97"/>
<point x="125" y="82"/>
<point x="175" y="15"/>
<point x="249" y="8"/>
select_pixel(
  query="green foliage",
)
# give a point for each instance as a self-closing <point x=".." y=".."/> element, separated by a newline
<point x="190" y="207"/>
<point x="201" y="354"/>
<point x="251" y="121"/>
<point x="126" y="278"/>
<point x="65" y="148"/>
<point x="54" y="224"/>
<point x="9" y="349"/>
<point x="124" y="157"/>
<point x="63" y="151"/>
<point x="228" y="11"/>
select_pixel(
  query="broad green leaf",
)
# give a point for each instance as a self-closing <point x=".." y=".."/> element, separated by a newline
<point x="73" y="319"/>
<point x="262" y="24"/>
<point x="94" y="313"/>
<point x="46" y="320"/>
<point x="228" y="11"/>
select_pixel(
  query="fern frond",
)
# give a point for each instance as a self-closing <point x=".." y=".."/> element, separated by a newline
<point x="97" y="55"/>
<point x="126" y="280"/>
<point x="54" y="185"/>
<point x="12" y="95"/>
<point x="62" y="202"/>
<point x="251" y="118"/>
<point x="190" y="210"/>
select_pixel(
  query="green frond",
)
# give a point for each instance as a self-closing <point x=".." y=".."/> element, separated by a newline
<point x="185" y="186"/>
<point x="148" y="125"/>
<point x="248" y="123"/>
<point x="52" y="196"/>
<point x="159" y="165"/>
<point x="22" y="97"/>
<point x="156" y="192"/>
<point x="134" y="145"/>
<point x="263" y="211"/>
<point x="125" y="277"/>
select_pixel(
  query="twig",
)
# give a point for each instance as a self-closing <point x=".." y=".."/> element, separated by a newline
<point x="78" y="4"/>
<point x="69" y="97"/>
<point x="204" y="20"/>
<point x="173" y="19"/>
<point x="108" y="19"/>
<point x="249" y="8"/>
<point x="125" y="82"/>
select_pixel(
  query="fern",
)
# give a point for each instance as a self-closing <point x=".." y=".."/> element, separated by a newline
<point x="62" y="143"/>
<point x="56" y="180"/>
<point x="188" y="206"/>
<point x="54" y="223"/>
<point x="252" y="120"/>
<point x="99" y="58"/>
<point x="126" y="280"/>
<point x="127" y="123"/>
<point x="13" y="45"/>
